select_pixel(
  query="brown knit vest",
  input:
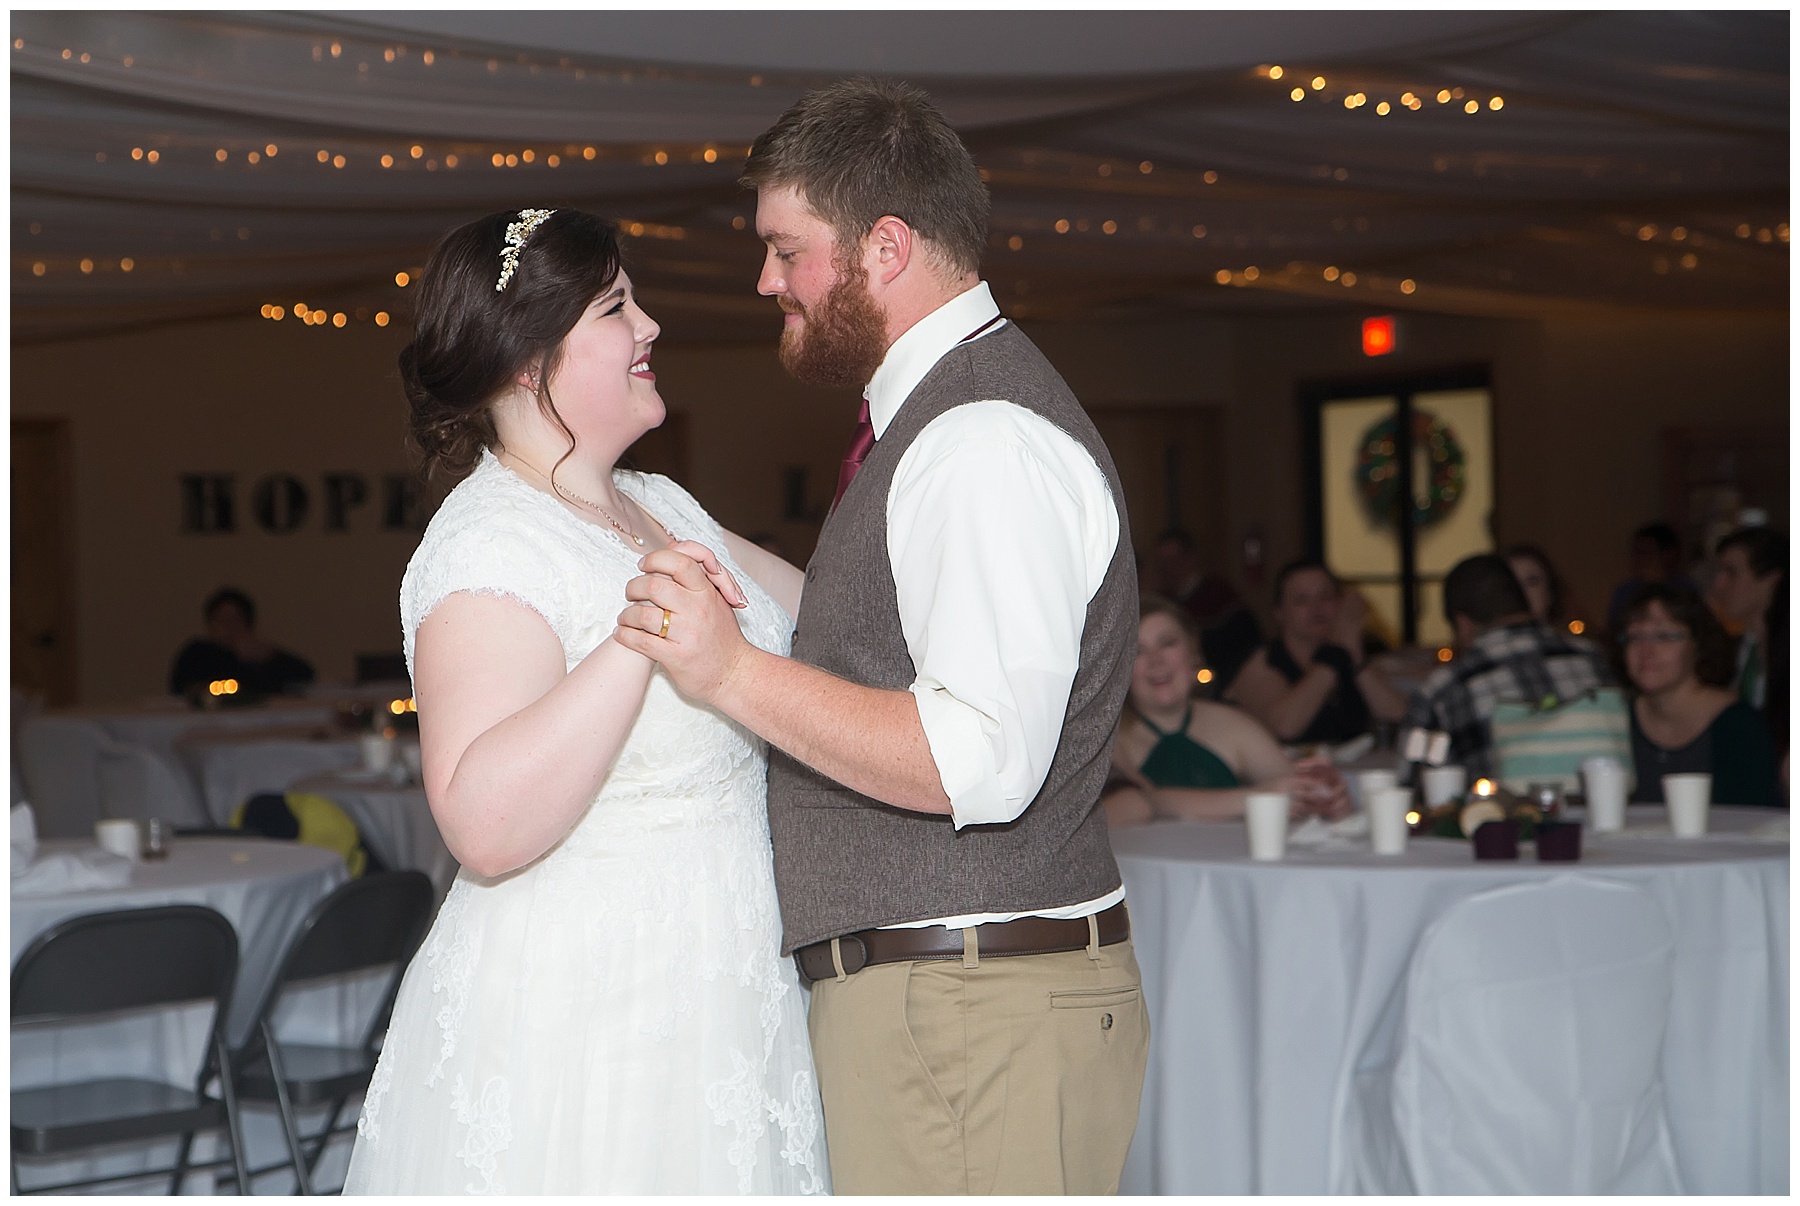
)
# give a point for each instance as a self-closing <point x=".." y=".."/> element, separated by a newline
<point x="844" y="862"/>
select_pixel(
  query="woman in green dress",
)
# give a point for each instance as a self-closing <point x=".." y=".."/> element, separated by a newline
<point x="1192" y="759"/>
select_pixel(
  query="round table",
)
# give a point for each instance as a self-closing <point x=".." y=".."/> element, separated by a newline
<point x="394" y="818"/>
<point x="232" y="767"/>
<point x="1267" y="981"/>
<point x="158" y="725"/>
<point x="264" y="888"/>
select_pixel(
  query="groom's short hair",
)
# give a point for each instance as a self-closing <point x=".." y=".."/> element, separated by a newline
<point x="861" y="149"/>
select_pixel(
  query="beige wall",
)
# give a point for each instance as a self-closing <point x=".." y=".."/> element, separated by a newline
<point x="1581" y="458"/>
<point x="1579" y="406"/>
<point x="248" y="398"/>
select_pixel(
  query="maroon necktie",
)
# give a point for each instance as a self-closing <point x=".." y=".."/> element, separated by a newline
<point x="864" y="438"/>
<point x="860" y="443"/>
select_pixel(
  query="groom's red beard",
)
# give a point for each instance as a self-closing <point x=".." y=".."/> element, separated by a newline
<point x="843" y="338"/>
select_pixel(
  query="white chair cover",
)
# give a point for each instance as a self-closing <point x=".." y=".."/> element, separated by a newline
<point x="59" y="757"/>
<point x="136" y="784"/>
<point x="1527" y="1055"/>
<point x="23" y="708"/>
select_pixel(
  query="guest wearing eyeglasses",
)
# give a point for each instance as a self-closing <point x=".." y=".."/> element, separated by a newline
<point x="1684" y="718"/>
<point x="1749" y="591"/>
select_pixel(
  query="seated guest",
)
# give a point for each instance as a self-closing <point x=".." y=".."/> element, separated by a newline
<point x="1749" y="591"/>
<point x="1229" y="634"/>
<point x="1178" y="756"/>
<point x="231" y="649"/>
<point x="1313" y="682"/>
<point x="1540" y="582"/>
<point x="1678" y="659"/>
<point x="1503" y="656"/>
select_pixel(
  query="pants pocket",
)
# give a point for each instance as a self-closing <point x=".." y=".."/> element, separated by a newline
<point x="1114" y="1011"/>
<point x="1093" y="998"/>
<point x="935" y="1031"/>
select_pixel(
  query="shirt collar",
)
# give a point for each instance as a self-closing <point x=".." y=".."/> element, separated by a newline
<point x="917" y="351"/>
<point x="1519" y="632"/>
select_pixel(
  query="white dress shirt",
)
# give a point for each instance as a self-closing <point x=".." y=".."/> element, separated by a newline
<point x="1001" y="528"/>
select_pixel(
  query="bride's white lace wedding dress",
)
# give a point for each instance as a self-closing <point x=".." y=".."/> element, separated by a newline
<point x="616" y="1016"/>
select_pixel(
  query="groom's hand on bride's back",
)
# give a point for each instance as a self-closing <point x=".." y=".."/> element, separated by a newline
<point x="700" y="646"/>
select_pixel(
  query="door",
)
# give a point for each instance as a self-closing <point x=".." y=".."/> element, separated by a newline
<point x="1403" y="488"/>
<point x="43" y="603"/>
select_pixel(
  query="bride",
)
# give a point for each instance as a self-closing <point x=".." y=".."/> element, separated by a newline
<point x="601" y="1005"/>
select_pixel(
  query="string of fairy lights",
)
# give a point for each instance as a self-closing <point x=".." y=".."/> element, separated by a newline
<point x="1677" y="259"/>
<point x="401" y="57"/>
<point x="1677" y="248"/>
<point x="431" y="157"/>
<point x="1413" y="100"/>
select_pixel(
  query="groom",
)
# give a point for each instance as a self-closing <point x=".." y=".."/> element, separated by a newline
<point x="944" y="726"/>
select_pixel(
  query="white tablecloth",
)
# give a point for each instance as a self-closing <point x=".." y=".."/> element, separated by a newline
<point x="395" y="821"/>
<point x="232" y="767"/>
<point x="156" y="726"/>
<point x="1267" y="981"/>
<point x="264" y="888"/>
<point x="59" y="752"/>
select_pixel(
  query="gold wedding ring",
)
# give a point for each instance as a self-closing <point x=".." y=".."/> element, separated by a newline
<point x="665" y="628"/>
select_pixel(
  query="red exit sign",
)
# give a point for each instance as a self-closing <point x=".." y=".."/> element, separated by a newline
<point x="1379" y="336"/>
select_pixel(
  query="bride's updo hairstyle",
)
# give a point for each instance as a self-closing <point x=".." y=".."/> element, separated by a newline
<point x="471" y="341"/>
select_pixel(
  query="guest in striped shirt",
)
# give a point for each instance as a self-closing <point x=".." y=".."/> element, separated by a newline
<point x="1503" y="656"/>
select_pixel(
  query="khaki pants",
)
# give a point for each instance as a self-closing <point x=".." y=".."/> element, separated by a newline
<point x="979" y="1076"/>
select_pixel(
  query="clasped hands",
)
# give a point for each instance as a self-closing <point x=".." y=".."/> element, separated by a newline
<point x="1316" y="788"/>
<point x="680" y="616"/>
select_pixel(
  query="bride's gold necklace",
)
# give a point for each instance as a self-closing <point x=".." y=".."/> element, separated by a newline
<point x="590" y="504"/>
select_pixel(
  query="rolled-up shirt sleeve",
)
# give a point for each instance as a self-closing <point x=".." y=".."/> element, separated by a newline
<point x="1000" y="530"/>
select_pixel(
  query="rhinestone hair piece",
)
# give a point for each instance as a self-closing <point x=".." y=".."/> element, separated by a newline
<point x="516" y="234"/>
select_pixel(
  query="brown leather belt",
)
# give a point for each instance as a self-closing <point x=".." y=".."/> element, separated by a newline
<point x="1025" y="936"/>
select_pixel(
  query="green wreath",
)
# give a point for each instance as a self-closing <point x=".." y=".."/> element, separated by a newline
<point x="1378" y="470"/>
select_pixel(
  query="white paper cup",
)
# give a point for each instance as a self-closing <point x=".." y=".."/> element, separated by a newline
<point x="1369" y="782"/>
<point x="1605" y="785"/>
<point x="1443" y="784"/>
<point x="1387" y="820"/>
<point x="377" y="752"/>
<point x="1266" y="816"/>
<point x="120" y="837"/>
<point x="1689" y="796"/>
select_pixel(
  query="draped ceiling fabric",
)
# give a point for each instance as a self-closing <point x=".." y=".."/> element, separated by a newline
<point x="168" y="166"/>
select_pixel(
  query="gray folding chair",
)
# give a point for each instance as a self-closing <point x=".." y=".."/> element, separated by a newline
<point x="128" y="960"/>
<point x="375" y="921"/>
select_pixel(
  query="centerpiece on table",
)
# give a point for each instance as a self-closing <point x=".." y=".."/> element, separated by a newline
<point x="1497" y="820"/>
<point x="1485" y="801"/>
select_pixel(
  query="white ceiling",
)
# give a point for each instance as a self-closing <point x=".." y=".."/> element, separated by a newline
<point x="1140" y="162"/>
<point x="992" y="44"/>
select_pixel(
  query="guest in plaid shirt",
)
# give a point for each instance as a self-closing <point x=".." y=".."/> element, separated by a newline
<point x="1503" y="656"/>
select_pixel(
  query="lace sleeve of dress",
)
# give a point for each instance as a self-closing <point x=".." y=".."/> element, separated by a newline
<point x="486" y="554"/>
